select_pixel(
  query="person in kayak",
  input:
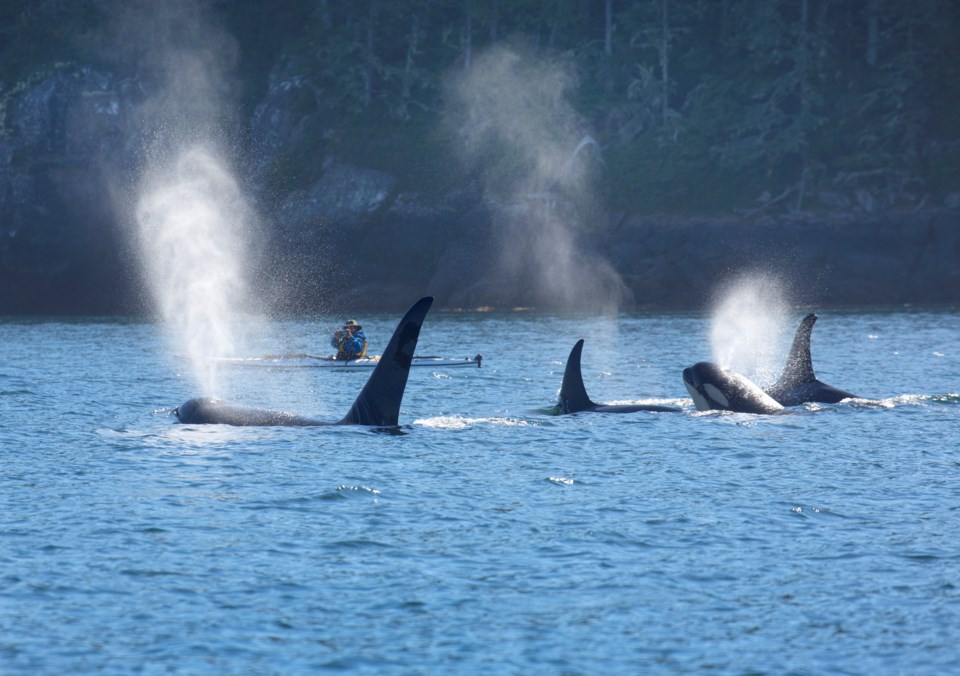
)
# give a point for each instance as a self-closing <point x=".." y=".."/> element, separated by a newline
<point x="350" y="341"/>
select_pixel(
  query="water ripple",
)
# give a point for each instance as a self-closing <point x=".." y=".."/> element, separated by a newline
<point x="702" y="541"/>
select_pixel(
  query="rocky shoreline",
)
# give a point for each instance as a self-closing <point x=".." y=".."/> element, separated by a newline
<point x="73" y="142"/>
<point x="411" y="248"/>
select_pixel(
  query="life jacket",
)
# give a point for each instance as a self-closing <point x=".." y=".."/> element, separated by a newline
<point x="341" y="355"/>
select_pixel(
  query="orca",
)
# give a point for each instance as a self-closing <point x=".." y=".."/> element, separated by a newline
<point x="713" y="387"/>
<point x="573" y="395"/>
<point x="378" y="403"/>
<point x="798" y="384"/>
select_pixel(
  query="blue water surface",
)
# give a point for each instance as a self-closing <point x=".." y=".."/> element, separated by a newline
<point x="487" y="536"/>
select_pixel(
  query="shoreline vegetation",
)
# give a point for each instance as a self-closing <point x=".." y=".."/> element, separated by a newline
<point x="593" y="154"/>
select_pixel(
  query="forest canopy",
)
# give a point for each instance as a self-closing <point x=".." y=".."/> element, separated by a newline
<point x="696" y="105"/>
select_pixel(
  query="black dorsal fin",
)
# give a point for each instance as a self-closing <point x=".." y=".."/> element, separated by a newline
<point x="573" y="395"/>
<point x="799" y="366"/>
<point x="379" y="401"/>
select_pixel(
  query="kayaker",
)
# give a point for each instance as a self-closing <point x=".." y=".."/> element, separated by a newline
<point x="350" y="341"/>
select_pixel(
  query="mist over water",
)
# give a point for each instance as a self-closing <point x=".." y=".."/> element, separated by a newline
<point x="749" y="326"/>
<point x="187" y="62"/>
<point x="193" y="226"/>
<point x="537" y="164"/>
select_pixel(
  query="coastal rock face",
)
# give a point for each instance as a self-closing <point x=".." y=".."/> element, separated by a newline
<point x="62" y="134"/>
<point x="375" y="253"/>
<point x="449" y="246"/>
<point x="286" y="123"/>
<point x="347" y="236"/>
<point x="888" y="260"/>
<point x="344" y="197"/>
<point x="423" y="245"/>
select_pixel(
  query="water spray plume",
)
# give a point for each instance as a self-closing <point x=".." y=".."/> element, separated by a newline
<point x="748" y="324"/>
<point x="518" y="129"/>
<point x="193" y="227"/>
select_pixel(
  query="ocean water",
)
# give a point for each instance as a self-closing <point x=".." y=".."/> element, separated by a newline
<point x="486" y="535"/>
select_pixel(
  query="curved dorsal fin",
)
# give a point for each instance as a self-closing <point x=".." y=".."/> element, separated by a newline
<point x="379" y="401"/>
<point x="573" y="395"/>
<point x="799" y="366"/>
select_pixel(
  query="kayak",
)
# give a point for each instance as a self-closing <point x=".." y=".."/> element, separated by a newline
<point x="321" y="361"/>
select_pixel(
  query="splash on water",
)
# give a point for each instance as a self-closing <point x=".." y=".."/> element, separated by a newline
<point x="902" y="400"/>
<point x="651" y="401"/>
<point x="193" y="228"/>
<point x="457" y="422"/>
<point x="749" y="327"/>
<point x="357" y="489"/>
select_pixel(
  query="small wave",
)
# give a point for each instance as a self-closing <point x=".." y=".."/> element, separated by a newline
<point x="344" y="492"/>
<point x="904" y="400"/>
<point x="360" y="544"/>
<point x="560" y="480"/>
<point x="653" y="401"/>
<point x="456" y="422"/>
<point x="17" y="393"/>
<point x="930" y="556"/>
<point x="709" y="414"/>
<point x="800" y="510"/>
<point x="357" y="489"/>
<point x="120" y="432"/>
<point x="297" y="504"/>
<point x="148" y="572"/>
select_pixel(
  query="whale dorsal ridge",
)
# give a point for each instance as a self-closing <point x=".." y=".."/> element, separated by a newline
<point x="573" y="395"/>
<point x="799" y="366"/>
<point x="378" y="403"/>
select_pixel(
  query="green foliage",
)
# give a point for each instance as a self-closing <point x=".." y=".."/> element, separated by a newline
<point x="658" y="174"/>
<point x="698" y="105"/>
<point x="264" y="31"/>
<point x="418" y="151"/>
<point x="35" y="34"/>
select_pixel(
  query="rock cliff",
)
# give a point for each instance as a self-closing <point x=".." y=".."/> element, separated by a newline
<point x="350" y="237"/>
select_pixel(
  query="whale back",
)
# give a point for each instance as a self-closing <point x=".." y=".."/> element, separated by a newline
<point x="212" y="411"/>
<point x="378" y="403"/>
<point x="573" y="395"/>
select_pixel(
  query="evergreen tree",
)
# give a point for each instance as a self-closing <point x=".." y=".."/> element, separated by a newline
<point x="773" y="109"/>
<point x="886" y="159"/>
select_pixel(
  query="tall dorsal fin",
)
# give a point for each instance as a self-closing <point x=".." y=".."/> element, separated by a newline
<point x="799" y="366"/>
<point x="573" y="395"/>
<point x="379" y="401"/>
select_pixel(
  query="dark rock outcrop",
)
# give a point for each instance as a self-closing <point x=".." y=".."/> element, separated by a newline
<point x="347" y="237"/>
<point x="892" y="259"/>
<point x="61" y="136"/>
